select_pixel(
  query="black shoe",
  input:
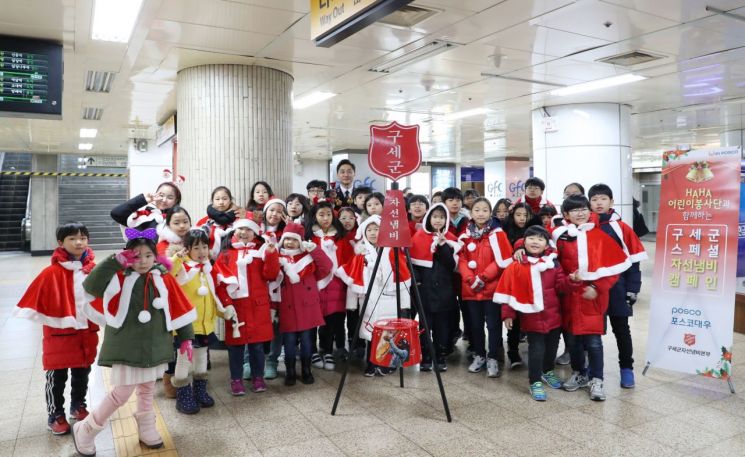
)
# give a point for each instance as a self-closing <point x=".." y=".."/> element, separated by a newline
<point x="456" y="336"/>
<point x="370" y="370"/>
<point x="425" y="366"/>
<point x="306" y="376"/>
<point x="290" y="373"/>
<point x="442" y="366"/>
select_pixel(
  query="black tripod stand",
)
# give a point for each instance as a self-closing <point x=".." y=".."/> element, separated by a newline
<point x="422" y="317"/>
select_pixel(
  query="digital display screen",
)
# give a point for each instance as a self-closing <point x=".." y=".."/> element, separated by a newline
<point x="30" y="78"/>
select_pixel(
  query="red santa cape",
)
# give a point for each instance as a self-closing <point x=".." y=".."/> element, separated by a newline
<point x="112" y="310"/>
<point x="500" y="246"/>
<point x="353" y="272"/>
<point x="166" y="237"/>
<point x="630" y="243"/>
<point x="232" y="270"/>
<point x="328" y="243"/>
<point x="521" y="286"/>
<point x="424" y="242"/>
<point x="147" y="213"/>
<point x="56" y="297"/>
<point x="604" y="259"/>
<point x="190" y="269"/>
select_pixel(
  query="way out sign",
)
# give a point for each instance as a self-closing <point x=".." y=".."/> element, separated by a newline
<point x="394" y="150"/>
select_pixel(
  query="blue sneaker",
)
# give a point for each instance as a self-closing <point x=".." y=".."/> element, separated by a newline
<point x="552" y="380"/>
<point x="270" y="370"/>
<point x="246" y="371"/>
<point x="627" y="378"/>
<point x="537" y="392"/>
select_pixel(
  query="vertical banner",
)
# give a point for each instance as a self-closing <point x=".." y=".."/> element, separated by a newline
<point x="693" y="299"/>
<point x="394" y="225"/>
<point x="741" y="235"/>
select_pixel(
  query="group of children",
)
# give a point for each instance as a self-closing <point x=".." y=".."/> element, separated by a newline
<point x="287" y="275"/>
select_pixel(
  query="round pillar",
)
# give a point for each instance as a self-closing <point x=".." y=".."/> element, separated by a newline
<point x="588" y="143"/>
<point x="234" y="128"/>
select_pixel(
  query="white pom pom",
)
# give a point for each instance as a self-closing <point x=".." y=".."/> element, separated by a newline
<point x="472" y="264"/>
<point x="471" y="246"/>
<point x="202" y="291"/>
<point x="542" y="267"/>
<point x="158" y="303"/>
<point x="144" y="316"/>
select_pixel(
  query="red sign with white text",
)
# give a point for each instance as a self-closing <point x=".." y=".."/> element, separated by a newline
<point x="394" y="150"/>
<point x="394" y="224"/>
<point x="693" y="291"/>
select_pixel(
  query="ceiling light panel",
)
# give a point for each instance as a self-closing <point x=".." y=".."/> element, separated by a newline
<point x="311" y="99"/>
<point x="88" y="133"/>
<point x="85" y="146"/>
<point x="92" y="114"/>
<point x="114" y="20"/>
<point x="99" y="81"/>
<point x="597" y="84"/>
<point x="425" y="51"/>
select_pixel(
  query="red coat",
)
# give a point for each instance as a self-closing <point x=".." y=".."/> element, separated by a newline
<point x="581" y="316"/>
<point x="485" y="257"/>
<point x="56" y="299"/>
<point x="300" y="304"/>
<point x="513" y="284"/>
<point x="243" y="276"/>
<point x="332" y="290"/>
<point x="217" y="232"/>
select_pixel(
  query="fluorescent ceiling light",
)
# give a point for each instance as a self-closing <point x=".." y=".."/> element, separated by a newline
<point x="467" y="113"/>
<point x="85" y="146"/>
<point x="88" y="133"/>
<point x="423" y="52"/>
<point x="598" y="84"/>
<point x="311" y="99"/>
<point x="114" y="20"/>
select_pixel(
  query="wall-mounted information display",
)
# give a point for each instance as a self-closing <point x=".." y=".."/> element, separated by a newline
<point x="30" y="78"/>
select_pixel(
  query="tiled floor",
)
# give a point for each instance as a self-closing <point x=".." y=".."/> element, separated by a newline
<point x="666" y="414"/>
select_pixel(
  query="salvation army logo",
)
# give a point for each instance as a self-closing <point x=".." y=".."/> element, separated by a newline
<point x="689" y="339"/>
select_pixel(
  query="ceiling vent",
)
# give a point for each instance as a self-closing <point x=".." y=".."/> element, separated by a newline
<point x="408" y="16"/>
<point x="99" y="81"/>
<point x="629" y="59"/>
<point x="424" y="51"/>
<point x="92" y="114"/>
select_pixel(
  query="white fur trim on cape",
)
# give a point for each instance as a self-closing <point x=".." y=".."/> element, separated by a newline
<point x="639" y="256"/>
<point x="498" y="257"/>
<point x="328" y="245"/>
<point x="237" y="287"/>
<point x="582" y="254"/>
<point x="537" y="267"/>
<point x="185" y="276"/>
<point x="165" y="233"/>
<point x="155" y="215"/>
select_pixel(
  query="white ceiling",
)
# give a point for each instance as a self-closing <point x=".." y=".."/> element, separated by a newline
<point x="693" y="93"/>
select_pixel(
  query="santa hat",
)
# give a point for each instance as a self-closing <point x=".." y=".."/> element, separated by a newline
<point x="374" y="219"/>
<point x="274" y="200"/>
<point x="248" y="223"/>
<point x="293" y="230"/>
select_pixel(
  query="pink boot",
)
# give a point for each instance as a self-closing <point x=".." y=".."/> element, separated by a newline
<point x="146" y="429"/>
<point x="84" y="436"/>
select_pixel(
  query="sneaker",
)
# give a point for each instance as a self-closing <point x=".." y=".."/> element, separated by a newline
<point x="425" y="366"/>
<point x="58" y="424"/>
<point x="456" y="336"/>
<point x="597" y="393"/>
<point x="627" y="378"/>
<point x="328" y="362"/>
<point x="477" y="364"/>
<point x="442" y="366"/>
<point x="258" y="385"/>
<point x="517" y="363"/>
<point x="246" y="371"/>
<point x="564" y="359"/>
<point x="317" y="361"/>
<point x="281" y="356"/>
<point x="270" y="370"/>
<point x="552" y="380"/>
<point x="492" y="368"/>
<point x="78" y="412"/>
<point x="370" y="370"/>
<point x="237" y="388"/>
<point x="537" y="392"/>
<point x="576" y="381"/>
<point x="383" y="371"/>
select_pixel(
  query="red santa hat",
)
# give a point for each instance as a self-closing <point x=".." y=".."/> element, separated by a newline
<point x="293" y="230"/>
<point x="247" y="222"/>
<point x="274" y="200"/>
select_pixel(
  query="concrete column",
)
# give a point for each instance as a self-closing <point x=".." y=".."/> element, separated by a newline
<point x="234" y="128"/>
<point x="588" y="143"/>
<point x="505" y="178"/>
<point x="44" y="205"/>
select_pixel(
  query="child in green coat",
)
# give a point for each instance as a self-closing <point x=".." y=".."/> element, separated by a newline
<point x="141" y="306"/>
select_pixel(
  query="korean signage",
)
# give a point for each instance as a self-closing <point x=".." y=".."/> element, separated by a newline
<point x="692" y="310"/>
<point x="333" y="20"/>
<point x="394" y="224"/>
<point x="505" y="178"/>
<point x="394" y="150"/>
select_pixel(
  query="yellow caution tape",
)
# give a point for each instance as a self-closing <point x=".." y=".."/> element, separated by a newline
<point x="63" y="173"/>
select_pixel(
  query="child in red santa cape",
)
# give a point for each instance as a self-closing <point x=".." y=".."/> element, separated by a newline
<point x="275" y="218"/>
<point x="298" y="300"/>
<point x="244" y="268"/>
<point x="598" y="260"/>
<point x="327" y="232"/>
<point x="486" y="252"/>
<point x="142" y="305"/>
<point x="434" y="254"/>
<point x="56" y="300"/>
<point x="148" y="210"/>
<point x="534" y="188"/>
<point x="221" y="213"/>
<point x="357" y="274"/>
<point x="171" y="235"/>
<point x="531" y="287"/>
